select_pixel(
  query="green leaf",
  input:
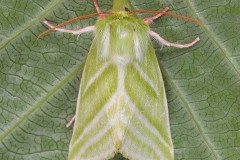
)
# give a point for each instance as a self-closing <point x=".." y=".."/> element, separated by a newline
<point x="39" y="80"/>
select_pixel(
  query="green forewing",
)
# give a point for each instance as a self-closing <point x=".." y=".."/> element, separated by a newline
<point x="122" y="104"/>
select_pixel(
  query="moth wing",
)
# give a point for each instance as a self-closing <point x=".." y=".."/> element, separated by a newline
<point x="147" y="133"/>
<point x="121" y="109"/>
<point x="92" y="134"/>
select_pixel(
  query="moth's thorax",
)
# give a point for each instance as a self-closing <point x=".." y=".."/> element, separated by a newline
<point x="122" y="37"/>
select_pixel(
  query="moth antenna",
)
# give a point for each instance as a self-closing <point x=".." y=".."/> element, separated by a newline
<point x="170" y="14"/>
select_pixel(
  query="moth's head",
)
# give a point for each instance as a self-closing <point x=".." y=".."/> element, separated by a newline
<point x="122" y="5"/>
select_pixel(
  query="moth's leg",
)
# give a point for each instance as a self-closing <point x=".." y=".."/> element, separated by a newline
<point x="101" y="16"/>
<point x="77" y="31"/>
<point x="167" y="43"/>
<point x="71" y="121"/>
<point x="151" y="19"/>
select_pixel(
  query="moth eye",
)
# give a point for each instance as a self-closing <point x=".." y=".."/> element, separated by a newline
<point x="126" y="9"/>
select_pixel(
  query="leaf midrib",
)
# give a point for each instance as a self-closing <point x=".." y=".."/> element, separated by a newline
<point x="34" y="21"/>
<point x="180" y="95"/>
<point x="214" y="40"/>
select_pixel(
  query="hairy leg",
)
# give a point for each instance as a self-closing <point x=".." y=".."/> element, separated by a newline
<point x="71" y="121"/>
<point x="167" y="43"/>
<point x="76" y="32"/>
<point x="101" y="16"/>
<point x="151" y="19"/>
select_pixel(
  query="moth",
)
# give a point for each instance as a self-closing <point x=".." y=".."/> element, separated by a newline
<point x="122" y="105"/>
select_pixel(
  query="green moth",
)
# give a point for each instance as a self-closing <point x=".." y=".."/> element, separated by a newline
<point x="122" y="106"/>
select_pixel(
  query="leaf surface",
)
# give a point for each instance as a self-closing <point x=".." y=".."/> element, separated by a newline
<point x="39" y="80"/>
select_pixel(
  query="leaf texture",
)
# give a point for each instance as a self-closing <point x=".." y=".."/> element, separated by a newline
<point x="40" y="79"/>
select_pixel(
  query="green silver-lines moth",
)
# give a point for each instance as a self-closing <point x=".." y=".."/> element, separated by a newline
<point x="122" y="106"/>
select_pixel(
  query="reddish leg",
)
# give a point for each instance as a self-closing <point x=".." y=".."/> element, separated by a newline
<point x="151" y="19"/>
<point x="162" y="40"/>
<point x="101" y="16"/>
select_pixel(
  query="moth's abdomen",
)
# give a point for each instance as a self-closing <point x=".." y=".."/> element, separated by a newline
<point x="122" y="36"/>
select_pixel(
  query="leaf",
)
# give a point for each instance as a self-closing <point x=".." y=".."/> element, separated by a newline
<point x="40" y="79"/>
